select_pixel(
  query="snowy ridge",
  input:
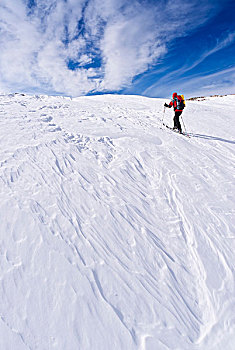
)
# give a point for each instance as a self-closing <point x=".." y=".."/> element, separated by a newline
<point x="116" y="233"/>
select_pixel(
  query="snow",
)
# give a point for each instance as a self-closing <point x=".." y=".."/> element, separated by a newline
<point x="116" y="233"/>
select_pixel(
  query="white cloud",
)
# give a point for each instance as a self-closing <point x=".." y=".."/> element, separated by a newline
<point x="123" y="58"/>
<point x="192" y="83"/>
<point x="221" y="82"/>
<point x="219" y="45"/>
<point x="125" y="37"/>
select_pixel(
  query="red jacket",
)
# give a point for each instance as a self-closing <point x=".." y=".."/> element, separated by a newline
<point x="174" y="102"/>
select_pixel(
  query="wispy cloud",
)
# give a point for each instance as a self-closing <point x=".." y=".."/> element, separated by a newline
<point x="219" y="45"/>
<point x="220" y="82"/>
<point x="185" y="78"/>
<point x="105" y="42"/>
<point x="206" y="83"/>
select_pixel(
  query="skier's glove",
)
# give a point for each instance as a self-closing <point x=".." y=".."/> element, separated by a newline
<point x="166" y="105"/>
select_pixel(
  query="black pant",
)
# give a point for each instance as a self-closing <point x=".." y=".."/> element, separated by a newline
<point x="177" y="121"/>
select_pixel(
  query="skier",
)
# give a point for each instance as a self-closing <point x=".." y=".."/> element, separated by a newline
<point x="178" y="103"/>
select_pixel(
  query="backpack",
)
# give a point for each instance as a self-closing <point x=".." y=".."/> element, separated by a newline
<point x="182" y="96"/>
<point x="180" y="102"/>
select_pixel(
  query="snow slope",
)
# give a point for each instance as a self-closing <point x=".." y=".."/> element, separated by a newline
<point x="116" y="233"/>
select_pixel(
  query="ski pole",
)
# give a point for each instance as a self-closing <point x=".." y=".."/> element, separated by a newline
<point x="163" y="116"/>
<point x="183" y="124"/>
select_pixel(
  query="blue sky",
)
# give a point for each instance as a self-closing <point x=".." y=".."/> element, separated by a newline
<point x="145" y="47"/>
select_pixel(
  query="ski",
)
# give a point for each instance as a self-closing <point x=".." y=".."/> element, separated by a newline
<point x="176" y="130"/>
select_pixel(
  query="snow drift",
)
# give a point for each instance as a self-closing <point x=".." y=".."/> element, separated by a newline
<point x="116" y="233"/>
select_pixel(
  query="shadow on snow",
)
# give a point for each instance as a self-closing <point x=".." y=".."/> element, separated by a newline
<point x="211" y="138"/>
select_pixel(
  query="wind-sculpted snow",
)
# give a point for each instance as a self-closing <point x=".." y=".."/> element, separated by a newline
<point x="116" y="233"/>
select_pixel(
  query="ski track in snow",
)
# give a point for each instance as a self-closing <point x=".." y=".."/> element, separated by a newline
<point x="116" y="232"/>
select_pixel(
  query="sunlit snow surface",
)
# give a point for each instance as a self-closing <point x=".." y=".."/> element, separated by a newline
<point x="116" y="233"/>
